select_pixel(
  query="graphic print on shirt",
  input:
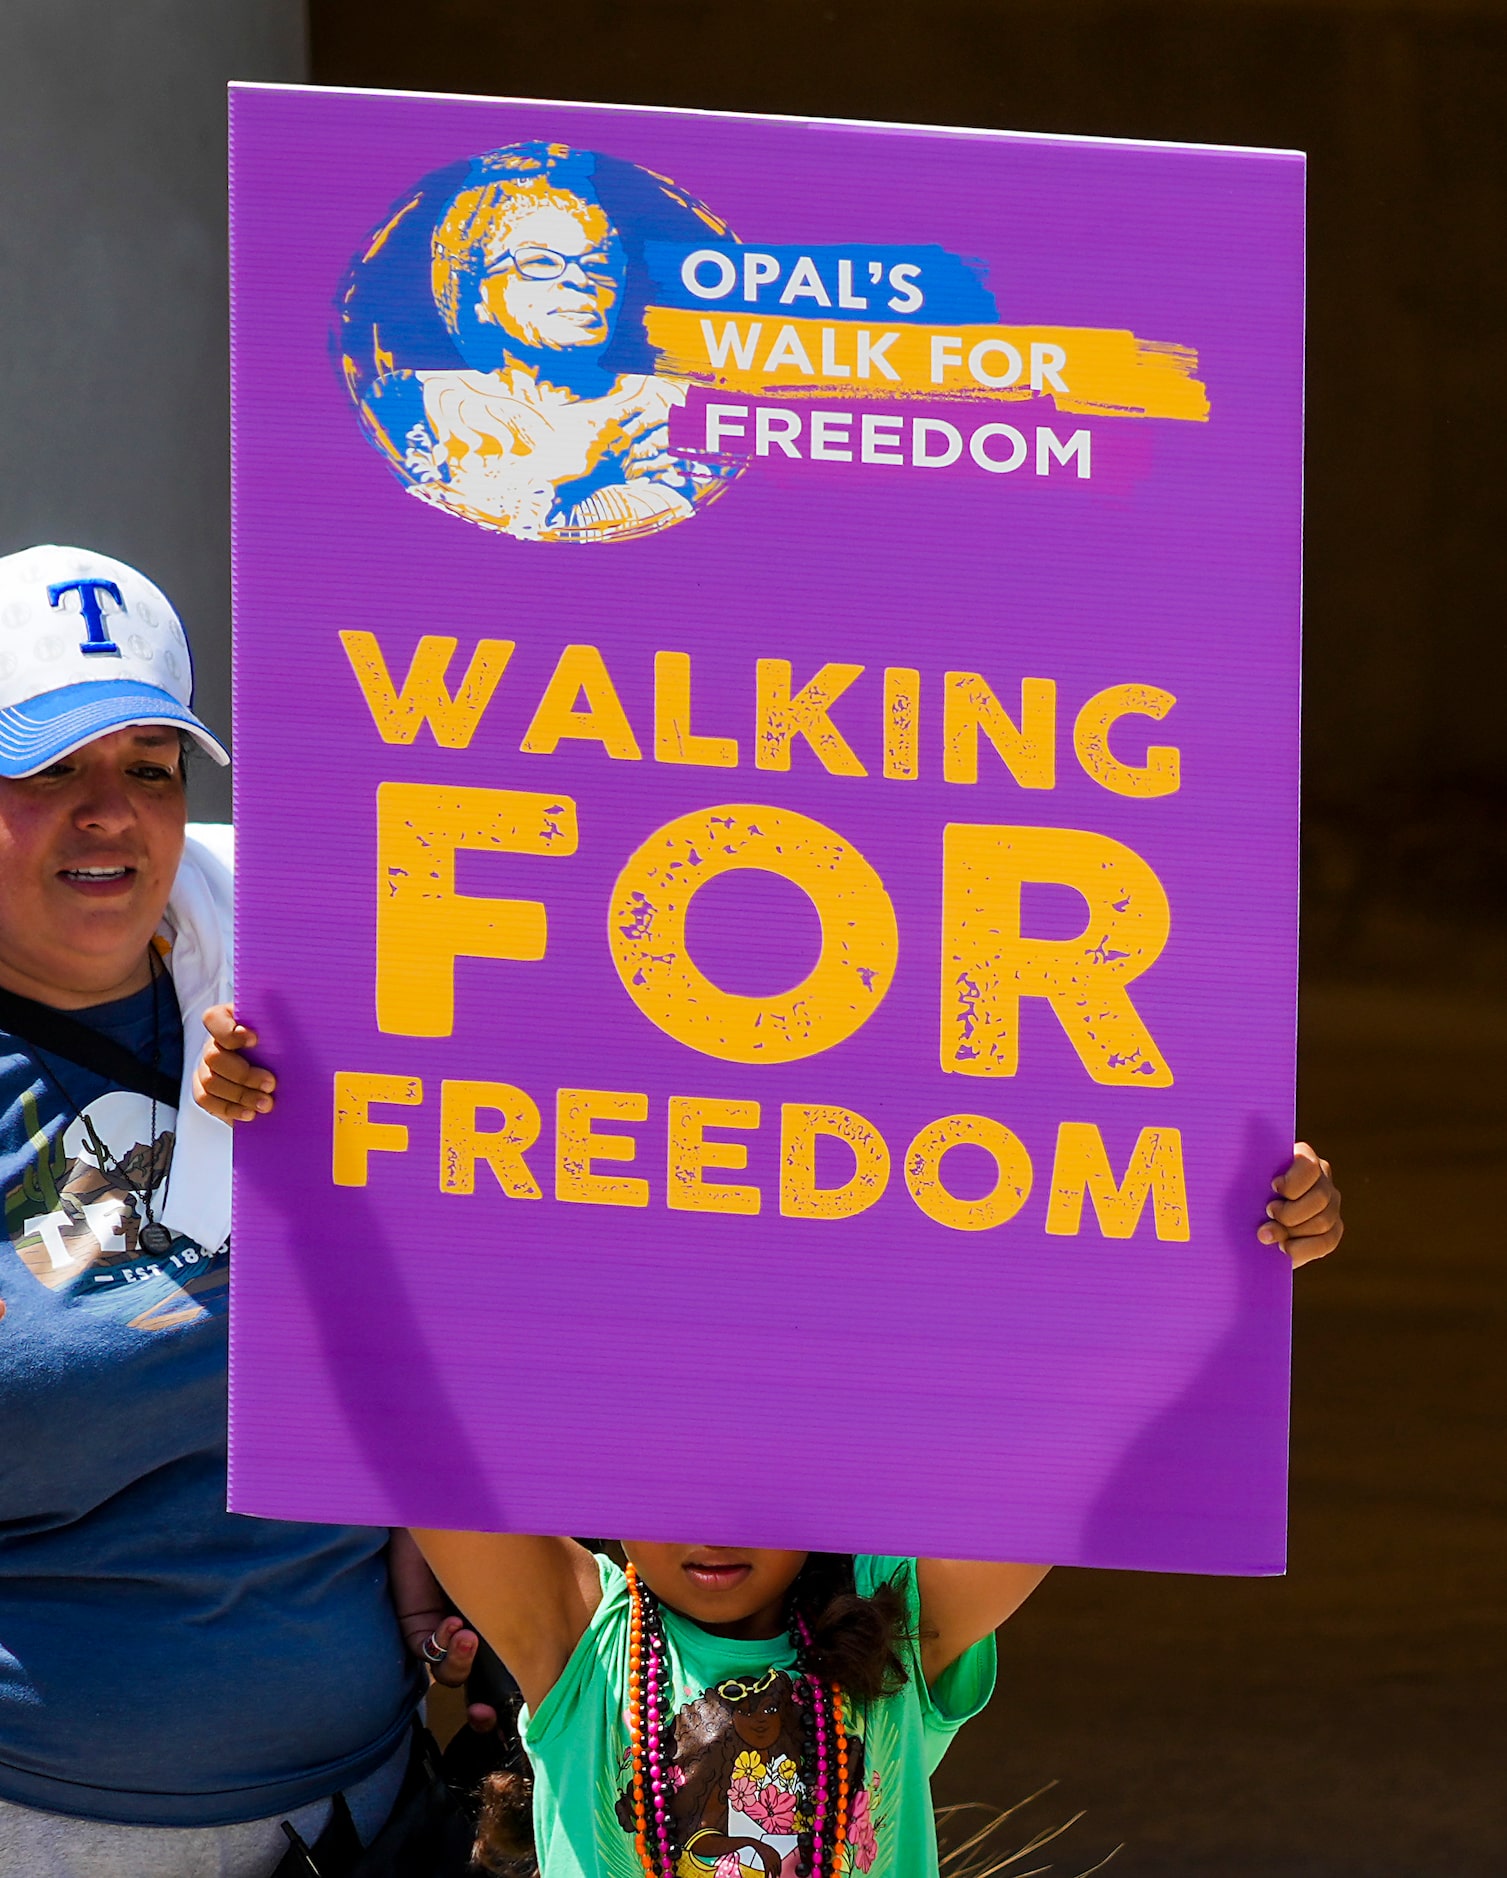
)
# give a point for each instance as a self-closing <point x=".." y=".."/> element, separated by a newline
<point x="739" y="1801"/>
<point x="75" y="1216"/>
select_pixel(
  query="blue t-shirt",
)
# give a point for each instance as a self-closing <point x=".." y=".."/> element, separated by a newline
<point x="162" y="1661"/>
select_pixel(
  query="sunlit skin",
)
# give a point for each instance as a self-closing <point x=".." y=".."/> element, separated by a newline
<point x="576" y="308"/>
<point x="733" y="1591"/>
<point x="89" y="849"/>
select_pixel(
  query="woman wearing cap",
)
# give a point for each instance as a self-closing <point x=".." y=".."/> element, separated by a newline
<point x="175" y="1681"/>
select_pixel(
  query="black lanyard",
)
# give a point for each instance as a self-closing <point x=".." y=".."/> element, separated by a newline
<point x="42" y="1027"/>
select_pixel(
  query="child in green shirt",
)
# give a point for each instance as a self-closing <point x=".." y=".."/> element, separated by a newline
<point x="726" y="1711"/>
<point x="730" y="1712"/>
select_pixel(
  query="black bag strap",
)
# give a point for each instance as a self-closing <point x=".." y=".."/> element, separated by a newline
<point x="61" y="1035"/>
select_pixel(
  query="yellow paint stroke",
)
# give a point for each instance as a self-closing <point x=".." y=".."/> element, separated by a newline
<point x="379" y="240"/>
<point x="1101" y="373"/>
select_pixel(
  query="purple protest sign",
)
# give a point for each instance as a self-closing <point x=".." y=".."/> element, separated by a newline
<point x="767" y="679"/>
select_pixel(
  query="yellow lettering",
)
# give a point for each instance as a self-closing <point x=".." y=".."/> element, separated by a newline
<point x="690" y="1152"/>
<point x="423" y="924"/>
<point x="576" y="1147"/>
<point x="581" y="671"/>
<point x="463" y="1144"/>
<point x="923" y="1172"/>
<point x="356" y="1134"/>
<point x="902" y="723"/>
<point x="674" y="740"/>
<point x="647" y="933"/>
<point x="1160" y="775"/>
<point x="988" y="965"/>
<point x="424" y="697"/>
<point x="969" y="706"/>
<point x="782" y="718"/>
<point x="800" y="1197"/>
<point x="1156" y="1168"/>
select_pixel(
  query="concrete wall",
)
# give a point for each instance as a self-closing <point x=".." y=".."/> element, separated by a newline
<point x="113" y="376"/>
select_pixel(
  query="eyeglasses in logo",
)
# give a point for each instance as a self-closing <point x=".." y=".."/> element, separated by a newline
<point x="546" y="264"/>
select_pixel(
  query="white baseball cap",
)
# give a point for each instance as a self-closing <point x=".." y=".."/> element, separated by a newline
<point x="87" y="646"/>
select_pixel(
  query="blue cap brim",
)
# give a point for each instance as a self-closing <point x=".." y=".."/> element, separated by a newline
<point x="42" y="730"/>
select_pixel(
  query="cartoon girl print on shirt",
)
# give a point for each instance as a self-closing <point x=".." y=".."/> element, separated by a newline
<point x="739" y="1801"/>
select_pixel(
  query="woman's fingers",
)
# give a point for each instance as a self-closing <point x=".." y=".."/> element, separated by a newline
<point x="460" y="1646"/>
<point x="220" y="1022"/>
<point x="455" y="1647"/>
<point x="225" y="1066"/>
<point x="225" y="1084"/>
<point x="235" y="1092"/>
<point x="636" y="423"/>
<point x="657" y="468"/>
<point x="651" y="442"/>
<point x="232" y="1089"/>
<point x="224" y="1109"/>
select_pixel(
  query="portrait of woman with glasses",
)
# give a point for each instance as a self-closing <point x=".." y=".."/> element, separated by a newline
<point x="492" y="336"/>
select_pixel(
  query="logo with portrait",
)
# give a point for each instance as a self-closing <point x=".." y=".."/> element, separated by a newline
<point x="492" y="336"/>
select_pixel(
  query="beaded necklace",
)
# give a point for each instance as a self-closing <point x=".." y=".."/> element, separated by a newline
<point x="651" y="1727"/>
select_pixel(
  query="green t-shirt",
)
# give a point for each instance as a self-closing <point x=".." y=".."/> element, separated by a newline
<point x="738" y="1750"/>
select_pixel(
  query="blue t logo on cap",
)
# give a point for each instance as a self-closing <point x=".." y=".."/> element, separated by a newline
<point x="88" y="592"/>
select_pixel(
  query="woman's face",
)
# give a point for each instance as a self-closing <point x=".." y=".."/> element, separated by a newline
<point x="575" y="308"/>
<point x="89" y="848"/>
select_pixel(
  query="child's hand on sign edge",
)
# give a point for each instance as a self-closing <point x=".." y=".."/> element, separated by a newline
<point x="225" y="1084"/>
<point x="1305" y="1217"/>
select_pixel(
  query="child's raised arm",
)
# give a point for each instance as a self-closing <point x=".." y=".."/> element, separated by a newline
<point x="962" y="1601"/>
<point x="530" y="1598"/>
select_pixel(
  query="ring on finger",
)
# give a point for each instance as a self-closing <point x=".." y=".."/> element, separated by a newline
<point x="433" y="1651"/>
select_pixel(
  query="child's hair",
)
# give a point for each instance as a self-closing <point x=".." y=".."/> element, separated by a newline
<point x="855" y="1641"/>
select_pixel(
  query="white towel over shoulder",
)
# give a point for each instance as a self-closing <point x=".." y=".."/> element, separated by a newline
<point x="198" y="927"/>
